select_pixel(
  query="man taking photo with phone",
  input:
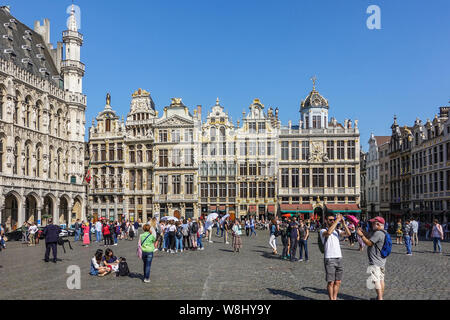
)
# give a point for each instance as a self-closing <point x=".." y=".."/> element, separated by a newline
<point x="330" y="238"/>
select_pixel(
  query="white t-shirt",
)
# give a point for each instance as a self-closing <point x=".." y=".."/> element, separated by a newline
<point x="98" y="226"/>
<point x="33" y="229"/>
<point x="332" y="246"/>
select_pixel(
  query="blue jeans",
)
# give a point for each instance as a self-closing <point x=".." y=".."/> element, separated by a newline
<point x="115" y="238"/>
<point x="303" y="245"/>
<point x="199" y="241"/>
<point x="147" y="259"/>
<point x="178" y="243"/>
<point x="98" y="234"/>
<point x="252" y="230"/>
<point x="437" y="242"/>
<point x="77" y="235"/>
<point x="166" y="240"/>
<point x="408" y="244"/>
<point x="218" y="228"/>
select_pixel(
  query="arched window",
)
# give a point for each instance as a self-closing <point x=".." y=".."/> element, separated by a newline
<point x="2" y="96"/>
<point x="38" y="162"/>
<point x="222" y="133"/>
<point x="108" y="125"/>
<point x="58" y="171"/>
<point x="27" y="112"/>
<point x="50" y="159"/>
<point x="27" y="160"/>
<point x="16" y="108"/>
<point x="213" y="134"/>
<point x="38" y="115"/>
<point x="16" y="157"/>
<point x="50" y="122"/>
<point x="1" y="155"/>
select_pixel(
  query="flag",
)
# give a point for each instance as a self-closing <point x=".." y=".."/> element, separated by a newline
<point x="88" y="175"/>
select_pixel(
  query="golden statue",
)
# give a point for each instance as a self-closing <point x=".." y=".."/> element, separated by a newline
<point x="108" y="99"/>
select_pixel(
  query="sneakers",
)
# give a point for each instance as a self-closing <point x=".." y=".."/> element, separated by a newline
<point x="202" y="248"/>
<point x="147" y="280"/>
<point x="115" y="244"/>
<point x="300" y="260"/>
<point x="210" y="241"/>
<point x="156" y="249"/>
<point x="409" y="254"/>
<point x="227" y="242"/>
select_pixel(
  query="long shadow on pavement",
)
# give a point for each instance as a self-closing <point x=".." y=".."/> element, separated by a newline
<point x="226" y="250"/>
<point x="288" y="294"/>
<point x="267" y="255"/>
<point x="325" y="292"/>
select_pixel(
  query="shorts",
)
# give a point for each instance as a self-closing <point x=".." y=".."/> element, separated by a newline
<point x="333" y="269"/>
<point x="377" y="274"/>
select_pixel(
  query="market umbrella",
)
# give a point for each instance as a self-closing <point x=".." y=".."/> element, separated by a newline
<point x="212" y="216"/>
<point x="224" y="217"/>
<point x="169" y="218"/>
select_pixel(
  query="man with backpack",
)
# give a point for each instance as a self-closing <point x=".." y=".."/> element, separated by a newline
<point x="329" y="242"/>
<point x="193" y="234"/>
<point x="379" y="246"/>
<point x="407" y="234"/>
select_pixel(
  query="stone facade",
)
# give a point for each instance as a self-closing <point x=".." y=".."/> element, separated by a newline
<point x="42" y="125"/>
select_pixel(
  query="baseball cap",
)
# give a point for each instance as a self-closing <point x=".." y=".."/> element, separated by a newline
<point x="378" y="219"/>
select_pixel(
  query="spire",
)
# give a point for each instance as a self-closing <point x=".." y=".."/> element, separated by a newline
<point x="72" y="24"/>
<point x="217" y="101"/>
<point x="314" y="79"/>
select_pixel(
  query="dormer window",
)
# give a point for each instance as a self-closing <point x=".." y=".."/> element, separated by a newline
<point x="8" y="25"/>
<point x="7" y="36"/>
<point x="40" y="56"/>
<point x="26" y="47"/>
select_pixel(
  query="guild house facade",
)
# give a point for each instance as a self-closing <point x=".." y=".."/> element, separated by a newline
<point x="181" y="165"/>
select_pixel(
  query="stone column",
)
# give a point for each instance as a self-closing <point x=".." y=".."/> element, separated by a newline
<point x="39" y="216"/>
<point x="115" y="208"/>
<point x="22" y="215"/>
<point x="107" y="208"/>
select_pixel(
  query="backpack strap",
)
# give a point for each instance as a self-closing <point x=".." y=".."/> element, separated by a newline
<point x="145" y="238"/>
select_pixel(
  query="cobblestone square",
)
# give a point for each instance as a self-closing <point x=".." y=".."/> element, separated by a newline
<point x="218" y="273"/>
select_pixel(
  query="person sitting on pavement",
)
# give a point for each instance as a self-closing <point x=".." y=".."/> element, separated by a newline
<point x="98" y="268"/>
<point x="110" y="260"/>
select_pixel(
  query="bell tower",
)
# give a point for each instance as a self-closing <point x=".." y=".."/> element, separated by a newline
<point x="71" y="67"/>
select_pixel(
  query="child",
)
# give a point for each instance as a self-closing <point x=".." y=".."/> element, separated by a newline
<point x="97" y="266"/>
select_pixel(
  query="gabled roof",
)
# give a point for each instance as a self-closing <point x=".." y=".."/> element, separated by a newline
<point x="382" y="140"/>
<point x="25" y="50"/>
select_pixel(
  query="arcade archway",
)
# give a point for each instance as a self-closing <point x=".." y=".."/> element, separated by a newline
<point x="10" y="214"/>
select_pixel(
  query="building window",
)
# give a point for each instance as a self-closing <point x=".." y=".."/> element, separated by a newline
<point x="295" y="150"/>
<point x="261" y="127"/>
<point x="305" y="150"/>
<point x="305" y="178"/>
<point x="284" y="150"/>
<point x="285" y="178"/>
<point x="213" y="170"/>
<point x="103" y="152"/>
<point x="252" y="169"/>
<point x="176" y="135"/>
<point x="330" y="177"/>
<point x="295" y="178"/>
<point x="162" y="135"/>
<point x="189" y="181"/>
<point x="317" y="122"/>
<point x="341" y="150"/>
<point x="270" y="148"/>
<point x="119" y="152"/>
<point x="262" y="190"/>
<point x="271" y="190"/>
<point x="341" y="177"/>
<point x="318" y="177"/>
<point x="163" y="158"/>
<point x="261" y="148"/>
<point x="132" y="180"/>
<point x="243" y="169"/>
<point x="176" y="157"/>
<point x="222" y="190"/>
<point x="163" y="184"/>
<point x="352" y="178"/>
<point x="351" y="149"/>
<point x="252" y="190"/>
<point x="330" y="150"/>
<point x="213" y="190"/>
<point x="252" y="127"/>
<point x="204" y="190"/>
<point x="176" y="184"/>
<point x="231" y="190"/>
<point x="243" y="190"/>
<point x="189" y="157"/>
<point x="189" y="135"/>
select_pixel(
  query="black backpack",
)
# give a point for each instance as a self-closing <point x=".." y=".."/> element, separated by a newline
<point x="194" y="228"/>
<point x="123" y="268"/>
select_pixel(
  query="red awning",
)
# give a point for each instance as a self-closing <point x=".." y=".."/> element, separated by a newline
<point x="343" y="207"/>
<point x="271" y="208"/>
<point x="297" y="208"/>
<point x="252" y="209"/>
<point x="212" y="208"/>
<point x="222" y="208"/>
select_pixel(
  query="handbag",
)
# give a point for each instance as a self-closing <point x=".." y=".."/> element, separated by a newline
<point x="139" y="248"/>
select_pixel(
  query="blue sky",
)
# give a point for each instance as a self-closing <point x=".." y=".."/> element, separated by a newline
<point x="240" y="50"/>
